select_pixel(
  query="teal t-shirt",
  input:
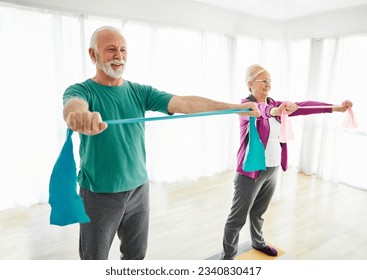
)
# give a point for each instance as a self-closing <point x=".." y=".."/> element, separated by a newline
<point x="115" y="160"/>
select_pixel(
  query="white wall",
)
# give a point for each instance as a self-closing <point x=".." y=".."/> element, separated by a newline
<point x="338" y="22"/>
<point x="176" y="12"/>
<point x="197" y="15"/>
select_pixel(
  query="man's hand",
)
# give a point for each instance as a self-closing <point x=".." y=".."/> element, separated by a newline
<point x="89" y="123"/>
<point x="78" y="118"/>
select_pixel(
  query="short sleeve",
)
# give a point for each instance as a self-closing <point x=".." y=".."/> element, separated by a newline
<point x="75" y="91"/>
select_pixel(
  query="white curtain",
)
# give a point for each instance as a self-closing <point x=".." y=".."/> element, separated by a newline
<point x="34" y="68"/>
<point x="336" y="73"/>
<point x="43" y="52"/>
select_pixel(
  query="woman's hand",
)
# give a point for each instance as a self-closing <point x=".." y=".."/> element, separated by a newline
<point x="287" y="106"/>
<point x="253" y="107"/>
<point x="344" y="107"/>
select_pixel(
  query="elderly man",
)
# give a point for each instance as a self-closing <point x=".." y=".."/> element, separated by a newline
<point x="113" y="178"/>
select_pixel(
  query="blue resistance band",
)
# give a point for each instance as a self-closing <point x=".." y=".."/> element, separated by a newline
<point x="203" y="114"/>
<point x="255" y="157"/>
<point x="67" y="206"/>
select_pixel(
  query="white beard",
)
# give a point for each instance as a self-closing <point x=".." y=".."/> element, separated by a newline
<point x="107" y="68"/>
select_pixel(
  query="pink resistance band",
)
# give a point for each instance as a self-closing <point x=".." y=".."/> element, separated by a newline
<point x="286" y="133"/>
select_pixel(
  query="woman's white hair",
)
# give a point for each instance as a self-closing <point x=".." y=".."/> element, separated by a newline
<point x="93" y="40"/>
<point x="253" y="71"/>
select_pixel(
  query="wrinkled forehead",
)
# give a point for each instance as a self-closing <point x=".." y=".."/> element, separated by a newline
<point x="110" y="37"/>
<point x="263" y="75"/>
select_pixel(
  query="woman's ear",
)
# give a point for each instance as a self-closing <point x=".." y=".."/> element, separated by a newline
<point x="249" y="85"/>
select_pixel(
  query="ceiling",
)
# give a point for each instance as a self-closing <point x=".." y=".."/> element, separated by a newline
<point x="283" y="9"/>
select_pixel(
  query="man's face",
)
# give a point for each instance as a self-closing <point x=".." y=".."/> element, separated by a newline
<point x="112" y="53"/>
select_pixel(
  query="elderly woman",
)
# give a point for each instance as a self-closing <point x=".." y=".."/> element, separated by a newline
<point x="253" y="190"/>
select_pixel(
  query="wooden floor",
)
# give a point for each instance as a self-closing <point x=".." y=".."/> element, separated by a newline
<point x="309" y="219"/>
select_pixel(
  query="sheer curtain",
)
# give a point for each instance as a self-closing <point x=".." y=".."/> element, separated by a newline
<point x="36" y="63"/>
<point x="189" y="62"/>
<point x="43" y="52"/>
<point x="336" y="73"/>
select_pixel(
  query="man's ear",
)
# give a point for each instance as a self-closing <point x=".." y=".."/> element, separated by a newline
<point x="92" y="54"/>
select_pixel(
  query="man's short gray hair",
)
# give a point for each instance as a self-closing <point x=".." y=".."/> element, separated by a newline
<point x="93" y="40"/>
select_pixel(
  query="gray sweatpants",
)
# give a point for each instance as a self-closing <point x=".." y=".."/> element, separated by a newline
<point x="251" y="198"/>
<point x="124" y="213"/>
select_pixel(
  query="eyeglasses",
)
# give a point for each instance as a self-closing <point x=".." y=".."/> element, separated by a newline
<point x="264" y="81"/>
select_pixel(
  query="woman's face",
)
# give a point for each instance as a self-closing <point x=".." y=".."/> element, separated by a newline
<point x="261" y="86"/>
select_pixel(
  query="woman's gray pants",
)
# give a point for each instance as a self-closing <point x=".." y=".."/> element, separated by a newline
<point x="251" y="198"/>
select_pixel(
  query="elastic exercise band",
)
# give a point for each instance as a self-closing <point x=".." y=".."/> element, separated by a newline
<point x="67" y="206"/>
<point x="211" y="113"/>
<point x="255" y="156"/>
<point x="321" y="107"/>
<point x="286" y="133"/>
